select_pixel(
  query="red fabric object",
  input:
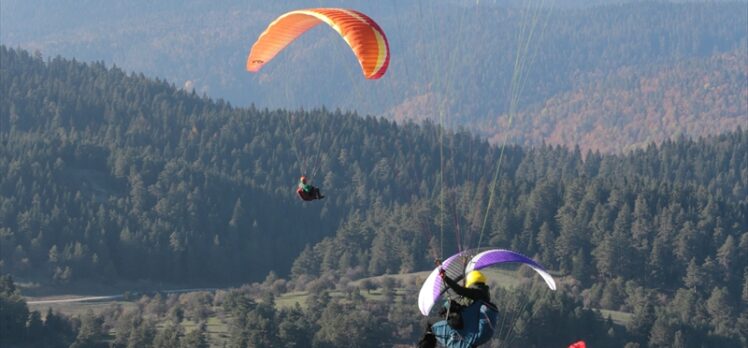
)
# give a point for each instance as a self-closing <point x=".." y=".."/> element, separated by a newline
<point x="579" y="344"/>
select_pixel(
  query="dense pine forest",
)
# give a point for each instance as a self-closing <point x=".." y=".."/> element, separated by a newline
<point x="654" y="68"/>
<point x="110" y="176"/>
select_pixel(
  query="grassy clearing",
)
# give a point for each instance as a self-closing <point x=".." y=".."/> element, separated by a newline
<point x="75" y="309"/>
<point x="36" y="289"/>
<point x="410" y="284"/>
<point x="620" y="318"/>
<point x="217" y="330"/>
<point x="218" y="325"/>
<point x="290" y="299"/>
<point x="407" y="278"/>
<point x="504" y="277"/>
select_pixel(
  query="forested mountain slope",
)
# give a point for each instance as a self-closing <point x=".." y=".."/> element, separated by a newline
<point x="113" y="176"/>
<point x="657" y="49"/>
<point x="116" y="175"/>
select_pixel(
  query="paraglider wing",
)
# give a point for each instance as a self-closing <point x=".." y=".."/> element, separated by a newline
<point x="579" y="344"/>
<point x="363" y="35"/>
<point x="496" y="256"/>
<point x="431" y="289"/>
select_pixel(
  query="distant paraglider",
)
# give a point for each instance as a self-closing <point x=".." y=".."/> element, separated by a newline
<point x="306" y="191"/>
<point x="363" y="35"/>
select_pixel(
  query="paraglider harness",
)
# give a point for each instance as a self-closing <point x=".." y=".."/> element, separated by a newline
<point x="307" y="192"/>
<point x="454" y="331"/>
<point x="466" y="326"/>
<point x="309" y="196"/>
<point x="452" y="312"/>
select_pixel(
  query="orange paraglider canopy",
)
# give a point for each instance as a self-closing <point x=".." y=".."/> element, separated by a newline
<point x="363" y="35"/>
<point x="578" y="344"/>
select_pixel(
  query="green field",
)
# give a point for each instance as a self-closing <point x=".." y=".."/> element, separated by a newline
<point x="75" y="309"/>
<point x="218" y="327"/>
<point x="620" y="318"/>
<point x="409" y="283"/>
<point x="218" y="330"/>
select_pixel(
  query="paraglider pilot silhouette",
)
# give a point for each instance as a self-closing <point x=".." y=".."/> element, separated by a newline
<point x="306" y="191"/>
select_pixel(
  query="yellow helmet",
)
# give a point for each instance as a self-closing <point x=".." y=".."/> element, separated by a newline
<point x="473" y="278"/>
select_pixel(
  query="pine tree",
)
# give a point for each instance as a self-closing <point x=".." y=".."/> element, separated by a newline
<point x="727" y="258"/>
<point x="169" y="336"/>
<point x="14" y="313"/>
<point x="663" y="332"/>
<point x="196" y="338"/>
<point x="90" y="331"/>
<point x="720" y="310"/>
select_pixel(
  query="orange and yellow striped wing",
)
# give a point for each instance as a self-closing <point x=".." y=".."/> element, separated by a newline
<point x="363" y="35"/>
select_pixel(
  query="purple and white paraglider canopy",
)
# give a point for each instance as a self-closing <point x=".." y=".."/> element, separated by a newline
<point x="431" y="290"/>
